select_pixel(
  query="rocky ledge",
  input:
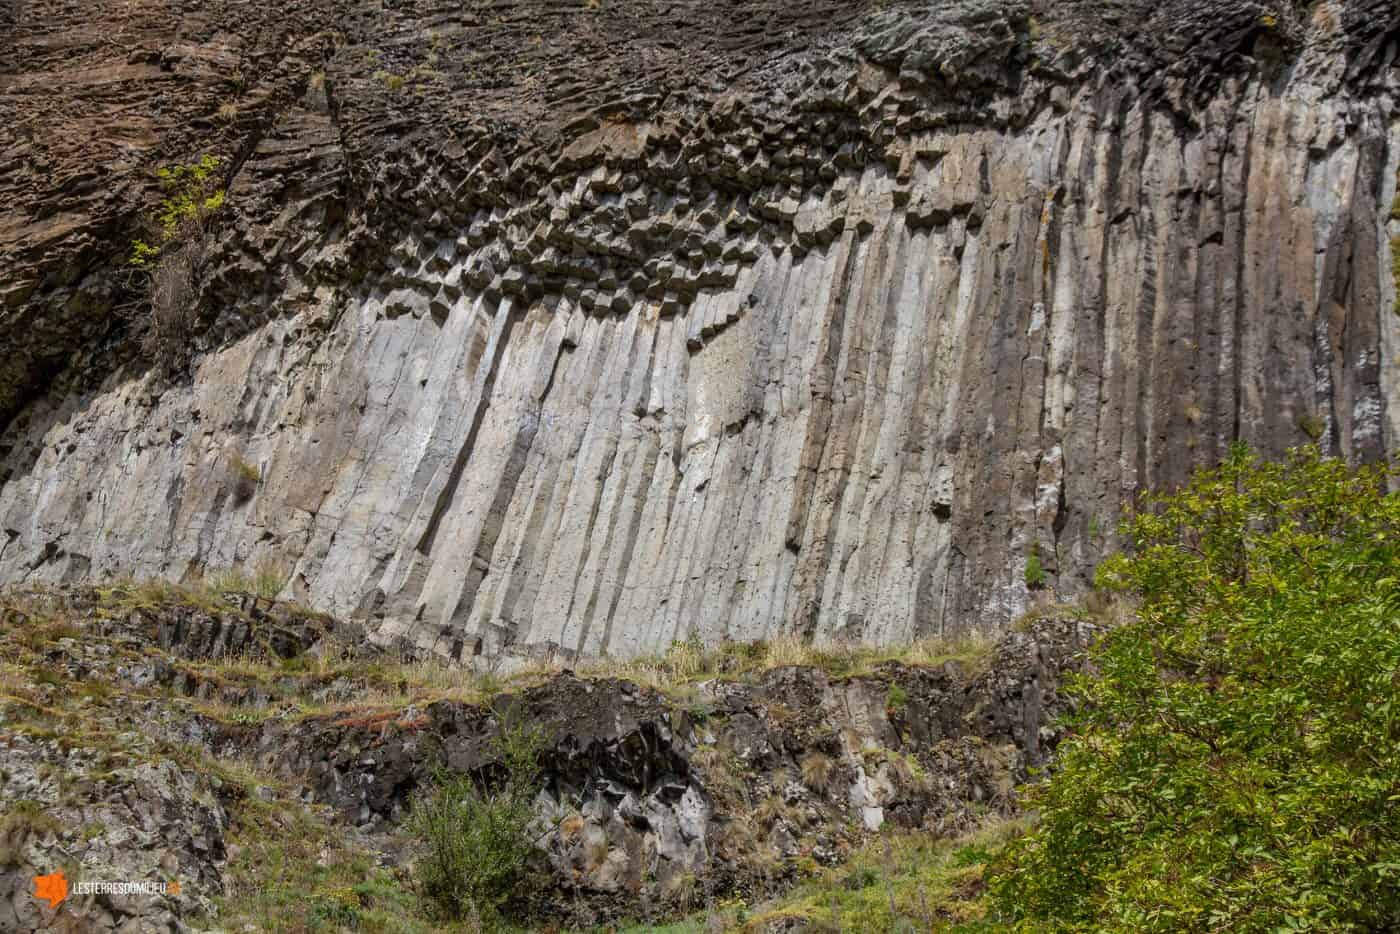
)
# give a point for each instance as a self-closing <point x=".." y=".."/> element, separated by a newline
<point x="153" y="732"/>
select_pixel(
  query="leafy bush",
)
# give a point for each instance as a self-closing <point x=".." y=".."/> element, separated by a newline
<point x="192" y="194"/>
<point x="1395" y="267"/>
<point x="479" y="836"/>
<point x="1312" y="426"/>
<point x="1235" y="764"/>
<point x="175" y="254"/>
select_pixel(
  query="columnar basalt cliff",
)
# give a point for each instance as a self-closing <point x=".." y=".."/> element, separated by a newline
<point x="584" y="328"/>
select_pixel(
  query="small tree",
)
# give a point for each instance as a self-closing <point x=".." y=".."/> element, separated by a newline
<point x="175" y="254"/>
<point x="1236" y="761"/>
<point x="479" y="835"/>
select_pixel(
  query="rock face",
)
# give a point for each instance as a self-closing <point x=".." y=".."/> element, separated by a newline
<point x="581" y="332"/>
<point x="729" y="791"/>
<point x="145" y="726"/>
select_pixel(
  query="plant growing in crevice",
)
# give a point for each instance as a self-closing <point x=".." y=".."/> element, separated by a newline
<point x="1395" y="268"/>
<point x="818" y="771"/>
<point x="246" y="477"/>
<point x="1312" y="426"/>
<point x="173" y="253"/>
<point x="268" y="579"/>
<point x="393" y="82"/>
<point x="896" y="697"/>
<point x="1035" y="573"/>
<point x="23" y="819"/>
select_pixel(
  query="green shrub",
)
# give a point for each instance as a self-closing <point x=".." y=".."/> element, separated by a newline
<point x="1235" y="764"/>
<point x="478" y="834"/>
<point x="1035" y="574"/>
<point x="1395" y="270"/>
<point x="192" y="193"/>
<point x="173" y="254"/>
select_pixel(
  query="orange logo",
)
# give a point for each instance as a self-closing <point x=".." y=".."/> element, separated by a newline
<point x="52" y="888"/>
<point x="172" y="887"/>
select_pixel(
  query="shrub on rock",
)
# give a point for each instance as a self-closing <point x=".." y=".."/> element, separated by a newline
<point x="1235" y="764"/>
<point x="479" y="835"/>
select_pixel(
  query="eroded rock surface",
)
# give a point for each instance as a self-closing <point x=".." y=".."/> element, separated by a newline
<point x="142" y="725"/>
<point x="569" y="331"/>
<point x="731" y="789"/>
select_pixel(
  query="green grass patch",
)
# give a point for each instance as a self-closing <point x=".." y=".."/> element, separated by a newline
<point x="1035" y="572"/>
<point x="898" y="882"/>
<point x="292" y="873"/>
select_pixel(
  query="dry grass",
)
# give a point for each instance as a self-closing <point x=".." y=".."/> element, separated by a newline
<point x="385" y="686"/>
<point x="23" y="819"/>
<point x="818" y="769"/>
<point x="267" y="579"/>
<point x="153" y="593"/>
<point x="1395" y="267"/>
<point x="723" y="771"/>
<point x="689" y="661"/>
<point x="377" y="687"/>
<point x="773" y="809"/>
<point x="209" y="591"/>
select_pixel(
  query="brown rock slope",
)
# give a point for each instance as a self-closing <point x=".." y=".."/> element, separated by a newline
<point x="583" y="328"/>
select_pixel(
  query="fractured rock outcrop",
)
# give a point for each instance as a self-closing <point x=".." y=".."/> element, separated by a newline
<point x="150" y="730"/>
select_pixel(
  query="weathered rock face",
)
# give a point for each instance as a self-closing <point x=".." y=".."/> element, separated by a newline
<point x="642" y="788"/>
<point x="818" y="321"/>
<point x="645" y="796"/>
<point x="146" y="725"/>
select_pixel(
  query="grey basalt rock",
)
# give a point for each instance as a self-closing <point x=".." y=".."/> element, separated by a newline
<point x="146" y="822"/>
<point x="644" y="796"/>
<point x="825" y="343"/>
<point x="967" y="42"/>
